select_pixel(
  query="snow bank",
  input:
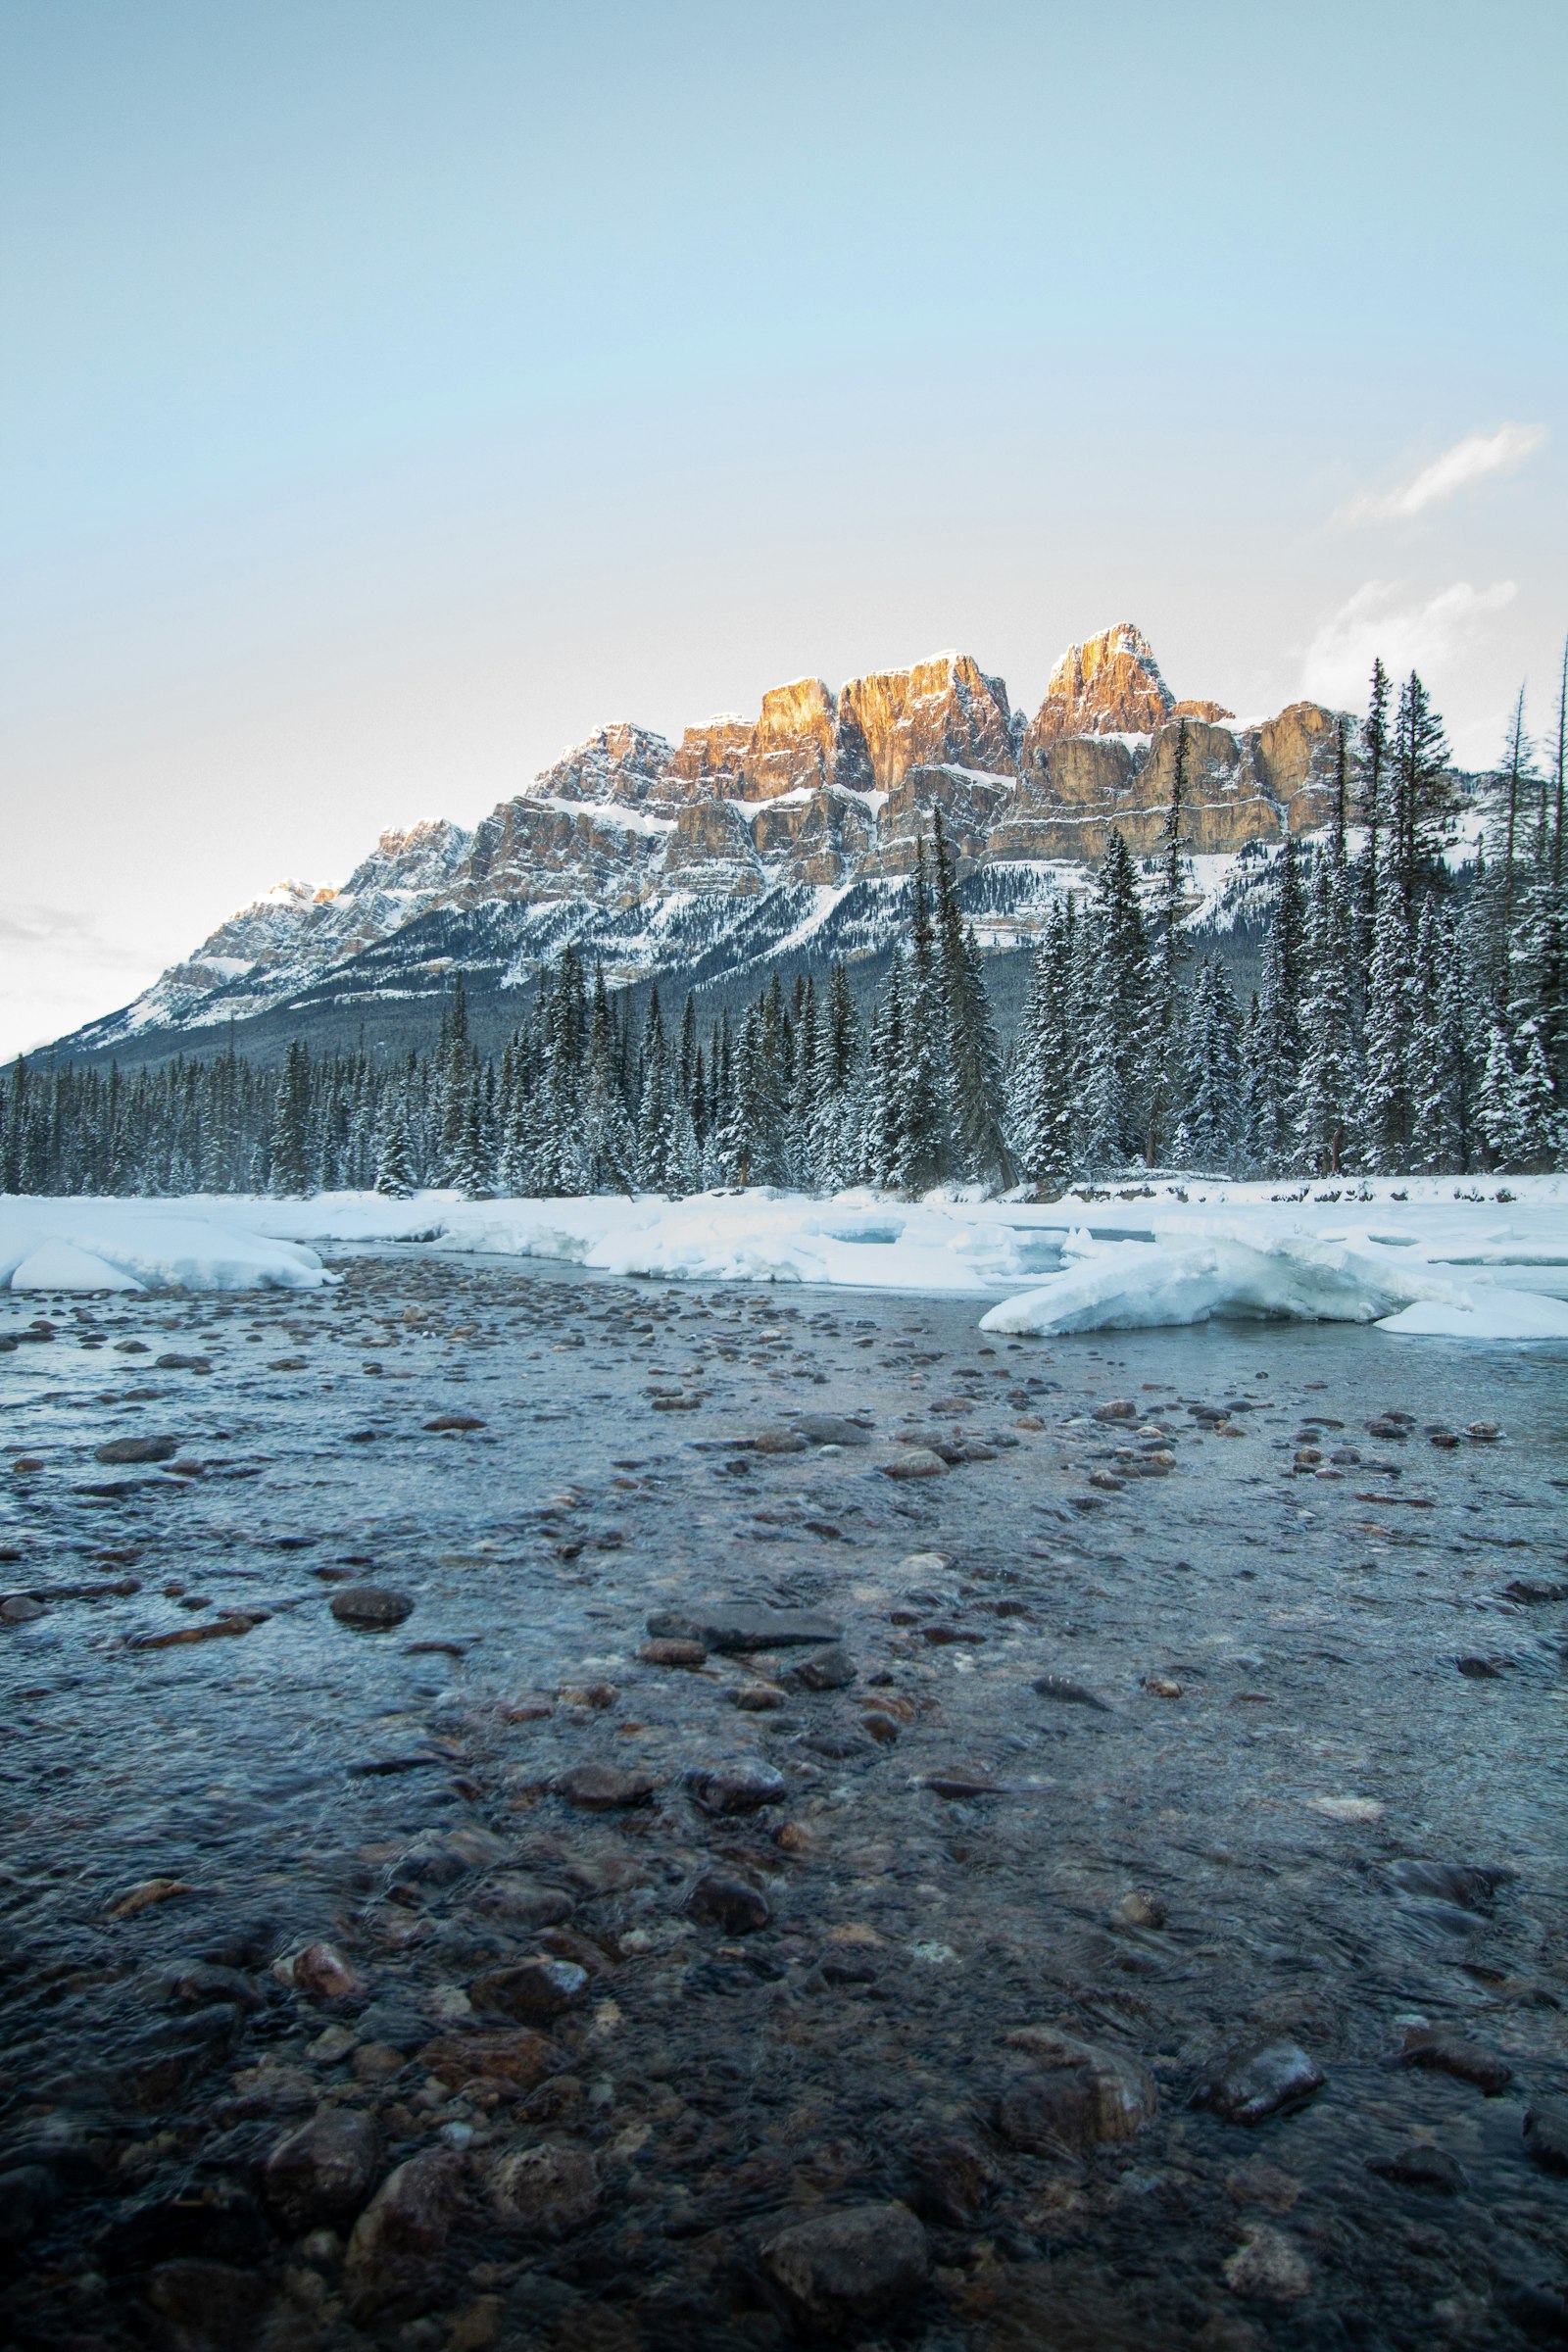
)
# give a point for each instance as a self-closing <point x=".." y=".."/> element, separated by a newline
<point x="148" y="1246"/>
<point x="1133" y="1285"/>
<point x="1423" y="1256"/>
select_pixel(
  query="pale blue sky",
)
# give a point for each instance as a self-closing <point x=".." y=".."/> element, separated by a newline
<point x="392" y="393"/>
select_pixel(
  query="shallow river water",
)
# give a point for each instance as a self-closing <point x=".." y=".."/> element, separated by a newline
<point x="1119" y="1901"/>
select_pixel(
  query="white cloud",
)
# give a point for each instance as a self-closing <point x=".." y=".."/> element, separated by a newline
<point x="1378" y="620"/>
<point x="1473" y="460"/>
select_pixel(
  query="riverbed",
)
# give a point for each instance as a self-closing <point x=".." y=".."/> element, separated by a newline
<point x="1108" y="1889"/>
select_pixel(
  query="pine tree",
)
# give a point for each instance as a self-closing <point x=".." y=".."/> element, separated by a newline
<point x="884" y="1150"/>
<point x="926" y="1121"/>
<point x="1387" y="1115"/>
<point x="1328" y="1089"/>
<point x="1276" y="1076"/>
<point x="1436" y="1053"/>
<point x="1049" y="1061"/>
<point x="978" y="1137"/>
<point x="1116" y="1031"/>
<point x="1211" y="1131"/>
<point x="834" y="1137"/>
<point x="1169" y="955"/>
<point x="291" y="1171"/>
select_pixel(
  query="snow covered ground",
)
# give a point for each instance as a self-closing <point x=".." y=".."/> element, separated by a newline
<point x="1420" y="1257"/>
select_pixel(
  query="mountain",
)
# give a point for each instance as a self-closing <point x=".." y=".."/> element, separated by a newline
<point x="750" y="842"/>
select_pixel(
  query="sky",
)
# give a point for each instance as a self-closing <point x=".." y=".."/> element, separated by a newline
<point x="394" y="394"/>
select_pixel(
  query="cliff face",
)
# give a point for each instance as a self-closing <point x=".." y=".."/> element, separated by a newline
<point x="819" y="793"/>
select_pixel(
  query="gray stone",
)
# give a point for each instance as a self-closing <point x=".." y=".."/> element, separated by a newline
<point x="849" y="2264"/>
<point x="731" y="1627"/>
<point x="1270" y="2079"/>
<point x="1546" y="2134"/>
<point x="1417" y="2166"/>
<point x="603" y="1788"/>
<point x="736" y="1788"/>
<point x="831" y="1428"/>
<point x="399" y="2238"/>
<point x="721" y="1901"/>
<point x="532" y="1990"/>
<point x="1073" y="2094"/>
<point x="546" y="2192"/>
<point x="370" y="1605"/>
<point x="138" y="1449"/>
<point x="323" y="2173"/>
<point x="831" y="1668"/>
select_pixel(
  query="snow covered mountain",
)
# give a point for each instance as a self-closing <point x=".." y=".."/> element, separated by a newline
<point x="751" y="840"/>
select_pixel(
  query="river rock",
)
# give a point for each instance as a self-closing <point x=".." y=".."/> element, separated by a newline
<point x="673" y="1654"/>
<point x="603" y="1788"/>
<point x="399" y="2238"/>
<point x="206" y="2306"/>
<point x="546" y="2192"/>
<point x="520" y="2057"/>
<point x="319" y="1969"/>
<point x="1546" y="2134"/>
<point x="721" y="1901"/>
<point x="915" y="1461"/>
<point x="1073" y="2094"/>
<point x="19" y="1608"/>
<point x="1450" y="2054"/>
<point x="831" y="1428"/>
<point x="731" y="1627"/>
<point x="29" y="2192"/>
<point x="779" y="1441"/>
<point x="323" y="2173"/>
<point x="531" y="1990"/>
<point x="1116" y="1408"/>
<point x="370" y="1605"/>
<point x="1417" y="2166"/>
<point x="137" y="1450"/>
<point x="1268" y="2078"/>
<point x="831" y="1668"/>
<point x="1473" y="1887"/>
<point x="741" y="1786"/>
<point x="953" y="2179"/>
<point x="1067" y="1692"/>
<point x="1268" y="2266"/>
<point x="849" y="2264"/>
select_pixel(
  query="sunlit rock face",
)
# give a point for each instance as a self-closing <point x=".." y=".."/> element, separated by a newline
<point x="649" y="846"/>
<point x="1111" y="685"/>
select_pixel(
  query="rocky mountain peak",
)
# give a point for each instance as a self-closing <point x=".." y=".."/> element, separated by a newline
<point x="1110" y="685"/>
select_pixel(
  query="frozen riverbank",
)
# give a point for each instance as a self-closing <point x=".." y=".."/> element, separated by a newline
<point x="1429" y="1256"/>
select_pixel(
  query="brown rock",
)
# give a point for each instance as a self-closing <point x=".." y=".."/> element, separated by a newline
<point x="399" y="2238"/>
<point x="1073" y="2094"/>
<point x="531" y="1990"/>
<point x="521" y="2058"/>
<point x="323" y="2173"/>
<point x="546" y="2192"/>
<point x="603" y="1788"/>
<point x="1111" y="685"/>
<point x="850" y="2265"/>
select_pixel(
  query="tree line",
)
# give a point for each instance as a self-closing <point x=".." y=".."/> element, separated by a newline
<point x="1411" y="1015"/>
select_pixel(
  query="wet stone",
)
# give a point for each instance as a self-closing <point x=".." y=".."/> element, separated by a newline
<point x="831" y="1668"/>
<point x="832" y="1428"/>
<point x="137" y="1450"/>
<point x="731" y="1627"/>
<point x="915" y="1461"/>
<point x="1466" y="2061"/>
<point x="392" y="2255"/>
<point x="207" y="2306"/>
<point x="534" y="1991"/>
<point x="1417" y="2166"/>
<point x="1269" y="2267"/>
<point x="604" y="1787"/>
<point x="954" y="2181"/>
<point x="1252" y="2085"/>
<point x="546" y="2191"/>
<point x="853" y="2264"/>
<point x="673" y="1654"/>
<point x="1071" y="2094"/>
<point x="28" y="2194"/>
<point x="1546" y="2134"/>
<point x="720" y="1900"/>
<point x="741" y="1786"/>
<point x="1066" y="1691"/>
<point x="370" y="1605"/>
<point x="323" y="2173"/>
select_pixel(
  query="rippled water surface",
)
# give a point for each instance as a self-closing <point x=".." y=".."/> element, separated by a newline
<point x="1165" y="1745"/>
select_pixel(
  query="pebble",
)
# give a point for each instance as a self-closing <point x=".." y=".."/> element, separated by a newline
<point x="1269" y="2266"/>
<point x="138" y="1449"/>
<point x="1136" y="1909"/>
<point x="319" y="1969"/>
<point x="324" y="2172"/>
<point x="546" y="2192"/>
<point x="735" y="1626"/>
<point x="1073" y="2094"/>
<point x="182" y="1363"/>
<point x="21" y="1609"/>
<point x="1546" y="2134"/>
<point x="603" y="1788"/>
<point x="673" y="1654"/>
<point x="1272" y="2079"/>
<point x="954" y="2181"/>
<point x="1449" y="2054"/>
<point x="520" y="2057"/>
<point x="211" y="1629"/>
<point x="831" y="1428"/>
<point x="534" y="1991"/>
<point x="141" y="1897"/>
<point x="447" y="1422"/>
<point x="1118" y="1408"/>
<point x="1417" y="2166"/>
<point x="853" y="2264"/>
<point x="830" y="1669"/>
<point x="741" y="1786"/>
<point x="779" y="1441"/>
<point x="370" y="1605"/>
<point x="721" y="1901"/>
<point x="1062" y="1688"/>
<point x="915" y="1461"/>
<point x="401" y="2233"/>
